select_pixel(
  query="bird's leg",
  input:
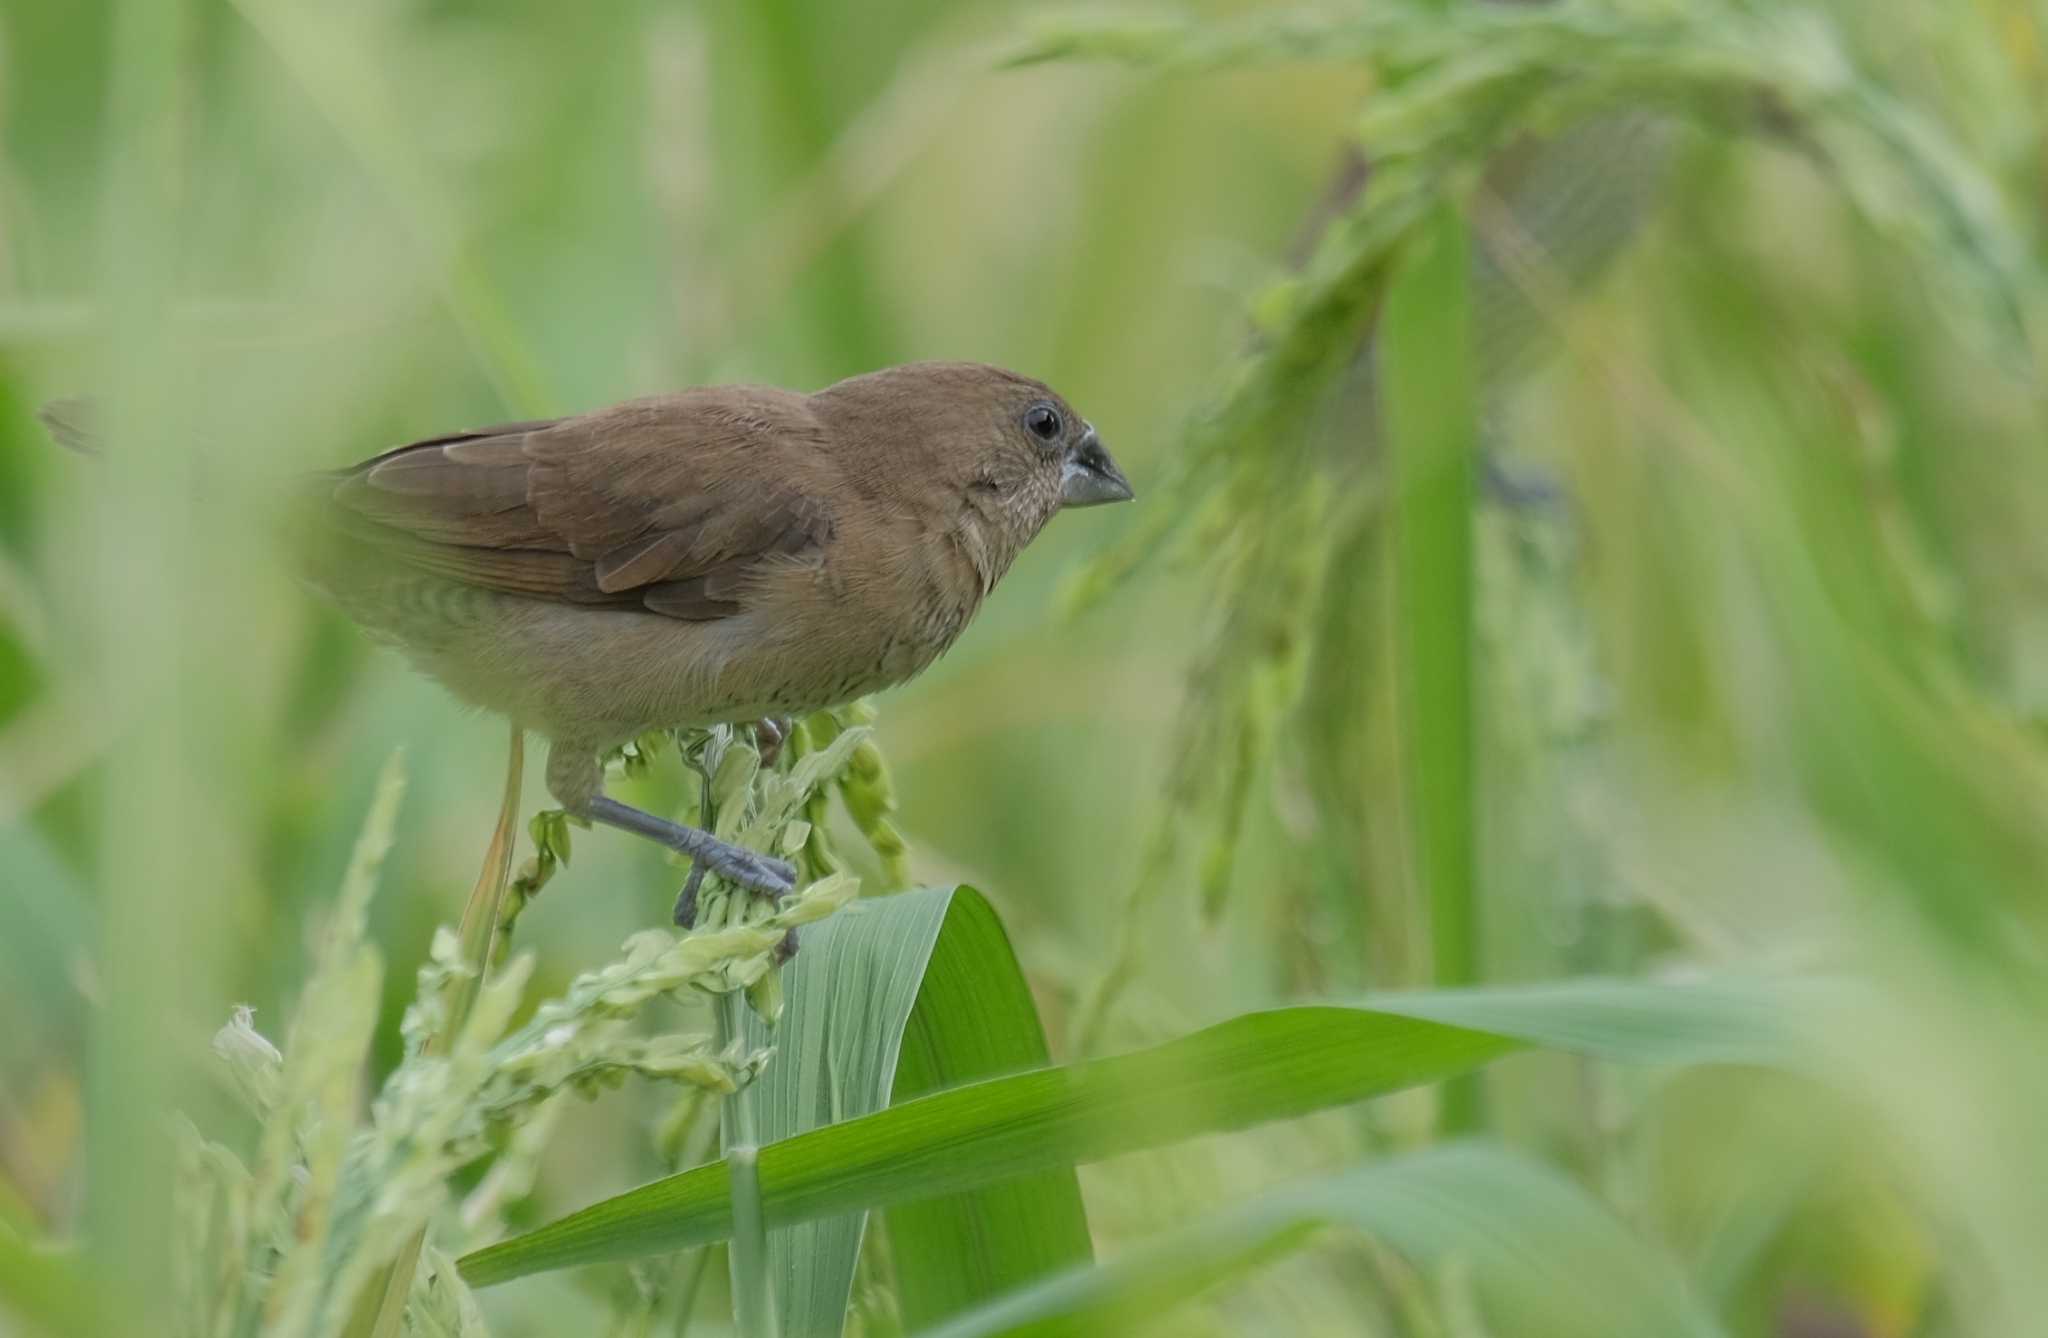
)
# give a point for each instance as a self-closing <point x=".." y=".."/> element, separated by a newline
<point x="576" y="779"/>
<point x="763" y="873"/>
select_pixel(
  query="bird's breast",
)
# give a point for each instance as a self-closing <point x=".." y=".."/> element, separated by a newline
<point x="864" y="617"/>
<point x="821" y="635"/>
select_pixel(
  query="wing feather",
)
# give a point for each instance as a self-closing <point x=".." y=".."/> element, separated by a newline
<point x="674" y="504"/>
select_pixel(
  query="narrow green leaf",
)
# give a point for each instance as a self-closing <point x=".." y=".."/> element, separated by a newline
<point x="1546" y="1258"/>
<point x="975" y="1019"/>
<point x="1432" y="424"/>
<point x="893" y="998"/>
<point x="1723" y="1021"/>
<point x="850" y="994"/>
<point x="1249" y="1070"/>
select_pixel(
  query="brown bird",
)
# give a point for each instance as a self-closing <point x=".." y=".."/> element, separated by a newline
<point x="723" y="554"/>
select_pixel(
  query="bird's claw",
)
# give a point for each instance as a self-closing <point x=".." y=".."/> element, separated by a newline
<point x="762" y="873"/>
<point x="686" y="900"/>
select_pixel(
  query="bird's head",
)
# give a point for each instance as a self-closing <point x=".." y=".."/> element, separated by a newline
<point x="964" y="435"/>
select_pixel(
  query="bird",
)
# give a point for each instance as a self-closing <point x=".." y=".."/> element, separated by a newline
<point x="721" y="554"/>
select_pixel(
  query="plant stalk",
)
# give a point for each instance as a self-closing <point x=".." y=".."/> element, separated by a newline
<point x="753" y="1300"/>
<point x="1432" y="422"/>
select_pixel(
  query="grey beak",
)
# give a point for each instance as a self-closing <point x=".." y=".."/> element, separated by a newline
<point x="1090" y="477"/>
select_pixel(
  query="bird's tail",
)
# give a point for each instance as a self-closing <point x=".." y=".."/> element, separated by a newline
<point x="73" y="424"/>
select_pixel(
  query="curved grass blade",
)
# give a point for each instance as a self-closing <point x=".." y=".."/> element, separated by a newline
<point x="1731" y="1020"/>
<point x="891" y="999"/>
<point x="849" y="995"/>
<point x="975" y="1019"/>
<point x="1249" y="1070"/>
<point x="1544" y="1256"/>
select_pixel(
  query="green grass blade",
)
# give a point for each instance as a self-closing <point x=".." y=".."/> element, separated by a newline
<point x="1249" y="1070"/>
<point x="1539" y="1250"/>
<point x="895" y="998"/>
<point x="1729" y="1020"/>
<point x="1432" y="424"/>
<point x="850" y="995"/>
<point x="975" y="1019"/>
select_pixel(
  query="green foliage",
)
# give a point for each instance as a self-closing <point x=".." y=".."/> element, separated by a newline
<point x="1432" y="418"/>
<point x="1461" y="82"/>
<point x="905" y="995"/>
<point x="1458" y="86"/>
<point x="284" y="1246"/>
<point x="1263" y="1066"/>
<point x="975" y="1018"/>
<point x="1753" y="668"/>
<point x="1484" y="1219"/>
<point x="43" y="1290"/>
<point x="850" y="993"/>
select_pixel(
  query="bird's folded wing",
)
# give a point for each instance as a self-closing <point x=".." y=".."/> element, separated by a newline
<point x="674" y="505"/>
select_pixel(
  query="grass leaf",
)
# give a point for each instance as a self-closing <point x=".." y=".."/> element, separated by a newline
<point x="893" y="998"/>
<point x="850" y="992"/>
<point x="1249" y="1070"/>
<point x="1537" y="1247"/>
<point x="975" y="1019"/>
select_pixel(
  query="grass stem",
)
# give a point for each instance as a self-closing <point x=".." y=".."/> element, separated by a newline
<point x="753" y="1300"/>
<point x="1432" y="420"/>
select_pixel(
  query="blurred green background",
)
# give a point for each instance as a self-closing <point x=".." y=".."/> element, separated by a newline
<point x="1761" y="576"/>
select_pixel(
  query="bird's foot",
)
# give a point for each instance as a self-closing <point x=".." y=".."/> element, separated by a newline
<point x="706" y="853"/>
<point x="760" y="873"/>
<point x="735" y="864"/>
<point x="686" y="900"/>
<point x="686" y="910"/>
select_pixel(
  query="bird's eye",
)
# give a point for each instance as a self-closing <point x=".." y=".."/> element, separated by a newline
<point x="1043" y="422"/>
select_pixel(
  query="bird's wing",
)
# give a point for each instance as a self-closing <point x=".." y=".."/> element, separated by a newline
<point x="672" y="505"/>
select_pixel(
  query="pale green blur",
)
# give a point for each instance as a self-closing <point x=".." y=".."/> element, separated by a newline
<point x="1761" y="614"/>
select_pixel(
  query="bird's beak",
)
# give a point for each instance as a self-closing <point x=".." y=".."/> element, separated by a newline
<point x="1090" y="477"/>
